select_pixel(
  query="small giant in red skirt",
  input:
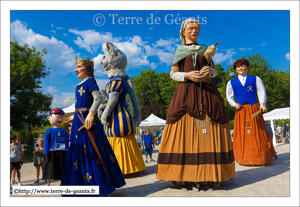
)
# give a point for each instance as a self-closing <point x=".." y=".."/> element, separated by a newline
<point x="252" y="144"/>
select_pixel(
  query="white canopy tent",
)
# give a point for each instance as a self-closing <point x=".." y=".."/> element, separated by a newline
<point x="151" y="122"/>
<point x="277" y="114"/>
<point x="69" y="110"/>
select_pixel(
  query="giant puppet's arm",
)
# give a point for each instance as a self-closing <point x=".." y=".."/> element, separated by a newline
<point x="230" y="96"/>
<point x="112" y="100"/>
<point x="97" y="101"/>
<point x="101" y="110"/>
<point x="176" y="73"/>
<point x="261" y="92"/>
<point x="93" y="110"/>
<point x="178" y="76"/>
<point x="195" y="76"/>
<point x="134" y="101"/>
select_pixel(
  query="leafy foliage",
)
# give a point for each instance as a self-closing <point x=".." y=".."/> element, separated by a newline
<point x="147" y="88"/>
<point x="104" y="100"/>
<point x="154" y="92"/>
<point x="277" y="83"/>
<point x="28" y="104"/>
<point x="155" y="109"/>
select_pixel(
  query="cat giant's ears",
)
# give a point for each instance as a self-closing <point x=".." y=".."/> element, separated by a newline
<point x="110" y="46"/>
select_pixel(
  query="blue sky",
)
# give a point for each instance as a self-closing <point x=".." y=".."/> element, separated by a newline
<point x="148" y="37"/>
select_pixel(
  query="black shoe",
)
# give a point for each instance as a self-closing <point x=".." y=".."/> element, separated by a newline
<point x="213" y="185"/>
<point x="206" y="187"/>
<point x="173" y="183"/>
<point x="184" y="187"/>
<point x="276" y="157"/>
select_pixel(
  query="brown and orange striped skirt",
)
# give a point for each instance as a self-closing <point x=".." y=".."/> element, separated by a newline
<point x="196" y="154"/>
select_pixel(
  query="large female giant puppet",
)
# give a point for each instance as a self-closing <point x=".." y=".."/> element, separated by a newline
<point x="196" y="145"/>
<point x="252" y="143"/>
<point x="119" y="124"/>
<point x="90" y="159"/>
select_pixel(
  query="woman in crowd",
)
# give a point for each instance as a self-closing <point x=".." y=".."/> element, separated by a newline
<point x="38" y="159"/>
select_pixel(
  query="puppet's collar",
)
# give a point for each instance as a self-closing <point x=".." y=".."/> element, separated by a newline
<point x="83" y="81"/>
<point x="243" y="76"/>
<point x="194" y="46"/>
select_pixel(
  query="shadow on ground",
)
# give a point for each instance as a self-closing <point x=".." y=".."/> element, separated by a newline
<point x="142" y="190"/>
<point x="149" y="170"/>
<point x="252" y="174"/>
<point x="246" y="176"/>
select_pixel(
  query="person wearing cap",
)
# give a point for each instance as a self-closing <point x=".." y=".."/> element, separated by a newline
<point x="252" y="143"/>
<point x="16" y="158"/>
<point x="55" y="146"/>
<point x="90" y="159"/>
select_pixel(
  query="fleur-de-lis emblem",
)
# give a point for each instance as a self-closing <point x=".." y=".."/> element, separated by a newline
<point x="87" y="178"/>
<point x="81" y="91"/>
<point x="112" y="158"/>
<point x="85" y="149"/>
<point x="75" y="164"/>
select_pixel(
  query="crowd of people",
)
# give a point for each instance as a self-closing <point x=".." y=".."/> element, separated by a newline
<point x="282" y="134"/>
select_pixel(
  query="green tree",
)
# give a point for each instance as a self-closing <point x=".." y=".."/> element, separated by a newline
<point x="221" y="81"/>
<point x="28" y="104"/>
<point x="277" y="83"/>
<point x="167" y="88"/>
<point x="147" y="88"/>
<point x="104" y="100"/>
<point x="153" y="90"/>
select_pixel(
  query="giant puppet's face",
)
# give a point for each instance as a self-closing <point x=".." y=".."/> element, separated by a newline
<point x="242" y="69"/>
<point x="191" y="32"/>
<point x="56" y="119"/>
<point x="80" y="71"/>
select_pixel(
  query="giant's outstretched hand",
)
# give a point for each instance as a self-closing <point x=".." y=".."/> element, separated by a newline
<point x="89" y="120"/>
<point x="104" y="119"/>
<point x="263" y="108"/>
<point x="70" y="119"/>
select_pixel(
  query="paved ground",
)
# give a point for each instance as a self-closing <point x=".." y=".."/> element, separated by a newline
<point x="260" y="181"/>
